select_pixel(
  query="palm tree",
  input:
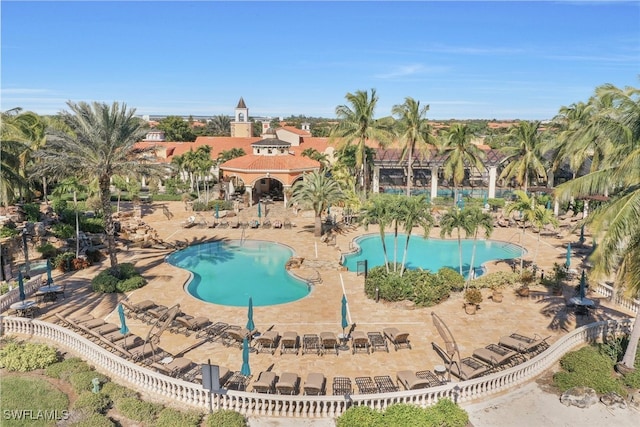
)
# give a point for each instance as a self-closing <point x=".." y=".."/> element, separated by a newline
<point x="524" y="160"/>
<point x="220" y="125"/>
<point x="13" y="143"/>
<point x="477" y="220"/>
<point x="414" y="131"/>
<point x="377" y="211"/>
<point x="101" y="145"/>
<point x="316" y="190"/>
<point x="455" y="219"/>
<point x="540" y="217"/>
<point x="525" y="205"/>
<point x="459" y="153"/>
<point x="617" y="223"/>
<point x="416" y="212"/>
<point x="357" y="125"/>
<point x="314" y="154"/>
<point x="72" y="185"/>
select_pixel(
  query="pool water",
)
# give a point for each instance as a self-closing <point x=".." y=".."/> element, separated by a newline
<point x="430" y="254"/>
<point x="229" y="272"/>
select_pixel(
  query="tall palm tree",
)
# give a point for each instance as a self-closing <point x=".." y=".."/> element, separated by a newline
<point x="377" y="211"/>
<point x="617" y="223"/>
<point x="526" y="206"/>
<point x="357" y="124"/>
<point x="477" y="221"/>
<point x="414" y="131"/>
<point x="459" y="153"/>
<point x="455" y="219"/>
<point x="101" y="145"/>
<point x="220" y="125"/>
<point x="13" y="143"/>
<point x="416" y="212"/>
<point x="317" y="191"/>
<point x="540" y="217"/>
<point x="72" y="185"/>
<point x="524" y="159"/>
<point x="314" y="154"/>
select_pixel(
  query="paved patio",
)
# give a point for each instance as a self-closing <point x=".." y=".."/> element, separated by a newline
<point x="541" y="314"/>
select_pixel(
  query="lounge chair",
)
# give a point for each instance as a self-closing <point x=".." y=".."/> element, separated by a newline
<point x="224" y="374"/>
<point x="267" y="342"/>
<point x="234" y="336"/>
<point x="175" y="367"/>
<point x="254" y="223"/>
<point x="311" y="344"/>
<point x="237" y="381"/>
<point x="185" y="324"/>
<point x="190" y="222"/>
<point x="213" y="332"/>
<point x="342" y="386"/>
<point x="398" y="338"/>
<point x="385" y="384"/>
<point x="525" y="345"/>
<point x="328" y="341"/>
<point x="315" y="384"/>
<point x="153" y="314"/>
<point x="106" y="328"/>
<point x="265" y="383"/>
<point x="287" y="224"/>
<point x="136" y="309"/>
<point x="378" y="341"/>
<point x="266" y="224"/>
<point x="223" y="224"/>
<point x="288" y="383"/>
<point x="359" y="342"/>
<point x="497" y="356"/>
<point x="277" y="224"/>
<point x="366" y="385"/>
<point x="465" y="369"/>
<point x="289" y="342"/>
<point x="410" y="381"/>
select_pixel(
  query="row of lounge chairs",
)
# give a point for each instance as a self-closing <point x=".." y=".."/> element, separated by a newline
<point x="286" y="224"/>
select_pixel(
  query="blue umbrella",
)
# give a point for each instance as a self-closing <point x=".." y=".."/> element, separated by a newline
<point x="246" y="369"/>
<point x="250" y="325"/>
<point x="583" y="286"/>
<point x="217" y="211"/>
<point x="568" y="263"/>
<point x="345" y="322"/>
<point x="49" y="278"/>
<point x="259" y="210"/>
<point x="123" y="324"/>
<point x="21" y="287"/>
<point x="548" y="204"/>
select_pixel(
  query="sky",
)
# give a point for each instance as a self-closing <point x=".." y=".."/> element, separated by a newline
<point x="466" y="60"/>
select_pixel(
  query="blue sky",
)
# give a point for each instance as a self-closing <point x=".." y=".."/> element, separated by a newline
<point x="486" y="60"/>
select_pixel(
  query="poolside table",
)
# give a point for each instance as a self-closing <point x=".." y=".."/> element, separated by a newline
<point x="50" y="292"/>
<point x="24" y="308"/>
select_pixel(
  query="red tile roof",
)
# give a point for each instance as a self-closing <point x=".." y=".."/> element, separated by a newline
<point x="253" y="162"/>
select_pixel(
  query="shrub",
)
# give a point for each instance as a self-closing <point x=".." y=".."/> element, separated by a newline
<point x="428" y="289"/>
<point x="126" y="270"/>
<point x="452" y="278"/>
<point x="92" y="402"/>
<point x="104" y="282"/>
<point x="392" y="286"/>
<point x="131" y="284"/>
<point x="199" y="206"/>
<point x="138" y="410"/>
<point x="360" y="415"/>
<point x="9" y="230"/>
<point x="26" y="357"/>
<point x="496" y="280"/>
<point x="32" y="211"/>
<point x="62" y="262"/>
<point x="64" y="369"/>
<point x="82" y="381"/>
<point x="92" y="225"/>
<point x="587" y="367"/>
<point x="166" y="197"/>
<point x="59" y="205"/>
<point x="403" y="414"/>
<point x="226" y="418"/>
<point x="63" y="231"/>
<point x="169" y="417"/>
<point x="94" y="255"/>
<point x="95" y="420"/>
<point x="47" y="250"/>
<point x="445" y="413"/>
<point x="116" y="391"/>
<point x="473" y="296"/>
<point x="79" y="264"/>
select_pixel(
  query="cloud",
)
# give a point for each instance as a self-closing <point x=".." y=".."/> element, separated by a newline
<point x="23" y="91"/>
<point x="409" y="70"/>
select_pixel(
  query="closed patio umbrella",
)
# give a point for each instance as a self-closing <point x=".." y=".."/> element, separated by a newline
<point x="250" y="325"/>
<point x="124" y="330"/>
<point x="583" y="286"/>
<point x="259" y="210"/>
<point x="246" y="369"/>
<point x="49" y="278"/>
<point x="217" y="211"/>
<point x="582" y="234"/>
<point x="568" y="262"/>
<point x="345" y="321"/>
<point x="21" y="286"/>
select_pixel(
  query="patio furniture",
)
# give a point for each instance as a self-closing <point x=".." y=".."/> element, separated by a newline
<point x="213" y="332"/>
<point x="267" y="342"/>
<point x="311" y="344"/>
<point x="173" y="367"/>
<point x="265" y="383"/>
<point x="377" y="341"/>
<point x="135" y="309"/>
<point x="234" y="336"/>
<point x="237" y="381"/>
<point x="525" y="345"/>
<point x="328" y="341"/>
<point x="366" y="385"/>
<point x="342" y="386"/>
<point x="410" y="381"/>
<point x="498" y="356"/>
<point x="289" y="342"/>
<point x="359" y="342"/>
<point x="385" y="384"/>
<point x="399" y="338"/>
<point x="288" y="383"/>
<point x="432" y="377"/>
<point x="466" y="368"/>
<point x="185" y="324"/>
<point x="25" y="308"/>
<point x="315" y="384"/>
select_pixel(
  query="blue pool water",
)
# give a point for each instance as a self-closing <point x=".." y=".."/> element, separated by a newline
<point x="430" y="254"/>
<point x="228" y="273"/>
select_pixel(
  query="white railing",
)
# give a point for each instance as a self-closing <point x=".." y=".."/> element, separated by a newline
<point x="14" y="294"/>
<point x="254" y="404"/>
<point x="608" y="292"/>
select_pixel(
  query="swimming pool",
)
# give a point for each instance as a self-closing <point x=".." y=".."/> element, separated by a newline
<point x="431" y="254"/>
<point x="229" y="272"/>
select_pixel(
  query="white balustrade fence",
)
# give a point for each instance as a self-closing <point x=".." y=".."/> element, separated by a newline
<point x="13" y="295"/>
<point x="607" y="291"/>
<point x="254" y="404"/>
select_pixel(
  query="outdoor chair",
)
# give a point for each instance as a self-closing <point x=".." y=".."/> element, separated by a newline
<point x="234" y="336"/>
<point x="342" y="386"/>
<point x="213" y="332"/>
<point x="465" y="369"/>
<point x="289" y="342"/>
<point x="267" y="342"/>
<point x="497" y="356"/>
<point x="190" y="222"/>
<point x="398" y="338"/>
<point x="152" y="315"/>
<point x="135" y="309"/>
<point x="106" y="328"/>
<point x="328" y="341"/>
<point x="359" y="342"/>
<point x="265" y="383"/>
<point x="378" y="342"/>
<point x="366" y="385"/>
<point x="288" y="383"/>
<point x="266" y="224"/>
<point x="223" y="224"/>
<point x="185" y="324"/>
<point x="237" y="381"/>
<point x="385" y="384"/>
<point x="175" y="367"/>
<point x="525" y="345"/>
<point x="410" y="381"/>
<point x="315" y="384"/>
<point x="287" y="224"/>
<point x="311" y="344"/>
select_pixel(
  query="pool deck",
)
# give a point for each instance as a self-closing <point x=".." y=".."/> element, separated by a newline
<point x="541" y="314"/>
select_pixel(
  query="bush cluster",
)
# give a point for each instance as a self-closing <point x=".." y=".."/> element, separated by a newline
<point x="588" y="367"/>
<point x="92" y="225"/>
<point x="445" y="413"/>
<point x="124" y="279"/>
<point x="422" y="287"/>
<point x="497" y="279"/>
<point x="82" y="381"/>
<point x="63" y="230"/>
<point x="138" y="410"/>
<point x="9" y="230"/>
<point x="199" y="206"/>
<point x="32" y="211"/>
<point x="226" y="418"/>
<point x="90" y="402"/>
<point x="64" y="369"/>
<point x="47" y="250"/>
<point x="169" y="417"/>
<point x="23" y="357"/>
<point x="94" y="420"/>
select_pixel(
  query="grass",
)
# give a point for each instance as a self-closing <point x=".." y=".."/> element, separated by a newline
<point x="33" y="400"/>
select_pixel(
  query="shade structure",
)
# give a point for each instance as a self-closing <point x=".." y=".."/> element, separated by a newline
<point x="246" y="369"/>
<point x="583" y="286"/>
<point x="345" y="321"/>
<point x="250" y="325"/>
<point x="21" y="287"/>
<point x="124" y="330"/>
<point x="568" y="262"/>
<point x="49" y="278"/>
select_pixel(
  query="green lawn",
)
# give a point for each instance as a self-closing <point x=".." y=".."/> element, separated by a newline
<point x="30" y="402"/>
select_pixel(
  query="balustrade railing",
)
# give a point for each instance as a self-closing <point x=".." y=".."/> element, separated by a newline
<point x="255" y="404"/>
<point x="30" y="286"/>
<point x="627" y="303"/>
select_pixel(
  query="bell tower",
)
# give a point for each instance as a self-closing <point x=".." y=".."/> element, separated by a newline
<point x="241" y="126"/>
